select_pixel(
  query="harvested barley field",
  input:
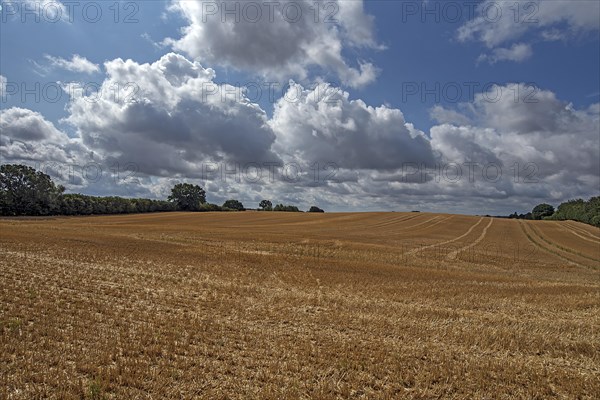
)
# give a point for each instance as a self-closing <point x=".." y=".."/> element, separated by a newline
<point x="289" y="305"/>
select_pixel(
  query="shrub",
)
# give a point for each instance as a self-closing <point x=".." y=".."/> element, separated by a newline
<point x="234" y="205"/>
<point x="208" y="207"/>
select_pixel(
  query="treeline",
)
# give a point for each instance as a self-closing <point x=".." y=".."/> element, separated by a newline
<point x="79" y="204"/>
<point x="288" y="208"/>
<point x="25" y="191"/>
<point x="577" y="210"/>
<point x="267" y="205"/>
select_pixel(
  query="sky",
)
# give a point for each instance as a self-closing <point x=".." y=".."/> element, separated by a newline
<point x="474" y="107"/>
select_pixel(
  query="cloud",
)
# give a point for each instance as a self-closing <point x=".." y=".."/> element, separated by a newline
<point x="24" y="124"/>
<point x="509" y="149"/>
<point x="498" y="22"/>
<point x="3" y="82"/>
<point x="532" y="130"/>
<point x="443" y="115"/>
<point x="28" y="138"/>
<point x="166" y="120"/>
<point x="170" y="117"/>
<point x="324" y="125"/>
<point x="553" y="35"/>
<point x="279" y="39"/>
<point x="77" y="63"/>
<point x="518" y="52"/>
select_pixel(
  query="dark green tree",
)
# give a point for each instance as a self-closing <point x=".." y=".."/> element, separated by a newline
<point x="187" y="197"/>
<point x="210" y="207"/>
<point x="266" y="205"/>
<point x="281" y="207"/>
<point x="234" y="205"/>
<point x="580" y="210"/>
<point x="316" y="209"/>
<point x="25" y="191"/>
<point x="542" y="210"/>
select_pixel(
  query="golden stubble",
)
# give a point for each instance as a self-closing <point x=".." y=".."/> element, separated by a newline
<point x="285" y="305"/>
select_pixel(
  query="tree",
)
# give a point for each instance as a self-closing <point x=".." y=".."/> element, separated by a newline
<point x="25" y="191"/>
<point x="542" y="210"/>
<point x="210" y="207"/>
<point x="316" y="209"/>
<point x="266" y="205"/>
<point x="579" y="210"/>
<point x="187" y="197"/>
<point x="234" y="205"/>
<point x="281" y="207"/>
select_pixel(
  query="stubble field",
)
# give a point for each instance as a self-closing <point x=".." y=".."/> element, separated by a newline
<point x="285" y="305"/>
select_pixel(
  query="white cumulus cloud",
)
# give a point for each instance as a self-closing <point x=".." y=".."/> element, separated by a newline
<point x="279" y="39"/>
<point x="324" y="125"/>
<point x="169" y="117"/>
<point x="497" y="23"/>
<point x="518" y="52"/>
<point x="77" y="63"/>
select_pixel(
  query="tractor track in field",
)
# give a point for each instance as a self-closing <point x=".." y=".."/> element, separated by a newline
<point x="576" y="228"/>
<point x="540" y="244"/>
<point x="415" y="251"/>
<point x="405" y="228"/>
<point x="423" y="225"/>
<point x="435" y="223"/>
<point x="452" y="255"/>
<point x="393" y="221"/>
<point x="583" y="237"/>
<point x="589" y="239"/>
<point x="558" y="246"/>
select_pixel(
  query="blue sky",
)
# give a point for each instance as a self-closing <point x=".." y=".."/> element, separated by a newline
<point x="548" y="51"/>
